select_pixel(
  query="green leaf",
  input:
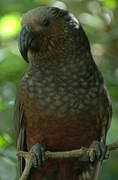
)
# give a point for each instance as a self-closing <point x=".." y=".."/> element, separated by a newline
<point x="112" y="4"/>
<point x="3" y="142"/>
<point x="1" y="106"/>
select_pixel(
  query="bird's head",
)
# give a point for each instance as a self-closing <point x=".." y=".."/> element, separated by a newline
<point x="45" y="30"/>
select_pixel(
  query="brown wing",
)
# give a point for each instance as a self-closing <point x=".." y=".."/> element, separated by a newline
<point x="105" y="114"/>
<point x="105" y="109"/>
<point x="19" y="131"/>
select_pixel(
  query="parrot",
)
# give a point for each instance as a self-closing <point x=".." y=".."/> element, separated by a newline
<point x="62" y="102"/>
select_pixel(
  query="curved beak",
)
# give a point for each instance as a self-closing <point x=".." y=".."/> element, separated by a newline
<point x="25" y="40"/>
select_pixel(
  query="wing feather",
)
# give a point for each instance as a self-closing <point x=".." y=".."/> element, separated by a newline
<point x="19" y="131"/>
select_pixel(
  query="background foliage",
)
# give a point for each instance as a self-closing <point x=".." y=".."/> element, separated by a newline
<point x="99" y="19"/>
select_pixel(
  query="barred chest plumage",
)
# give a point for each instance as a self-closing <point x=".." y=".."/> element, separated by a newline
<point x="61" y="89"/>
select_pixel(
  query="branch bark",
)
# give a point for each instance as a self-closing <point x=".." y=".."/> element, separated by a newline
<point x="88" y="153"/>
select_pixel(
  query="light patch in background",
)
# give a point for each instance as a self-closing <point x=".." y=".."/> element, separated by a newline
<point x="8" y="90"/>
<point x="111" y="4"/>
<point x="10" y="25"/>
<point x="107" y="15"/>
<point x="94" y="7"/>
<point x="59" y="4"/>
<point x="97" y="49"/>
<point x="92" y="20"/>
<point x="2" y="54"/>
<point x="14" y="48"/>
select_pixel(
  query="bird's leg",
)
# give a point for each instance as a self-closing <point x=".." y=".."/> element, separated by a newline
<point x="102" y="151"/>
<point x="39" y="155"/>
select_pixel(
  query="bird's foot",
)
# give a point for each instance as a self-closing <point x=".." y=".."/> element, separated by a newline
<point x="39" y="155"/>
<point x="102" y="151"/>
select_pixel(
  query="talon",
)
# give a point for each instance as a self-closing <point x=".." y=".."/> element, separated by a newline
<point x="107" y="153"/>
<point x="102" y="151"/>
<point x="39" y="155"/>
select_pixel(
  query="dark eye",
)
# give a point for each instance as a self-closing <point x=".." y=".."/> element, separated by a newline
<point x="46" y="22"/>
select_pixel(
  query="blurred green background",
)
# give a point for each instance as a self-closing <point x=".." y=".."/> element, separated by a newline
<point x="100" y="21"/>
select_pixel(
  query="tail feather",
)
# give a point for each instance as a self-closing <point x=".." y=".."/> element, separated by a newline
<point x="91" y="173"/>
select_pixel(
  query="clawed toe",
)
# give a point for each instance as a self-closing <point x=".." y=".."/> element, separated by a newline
<point x="102" y="151"/>
<point x="39" y="155"/>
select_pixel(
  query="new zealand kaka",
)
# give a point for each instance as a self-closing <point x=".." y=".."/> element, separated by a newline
<point x="62" y="103"/>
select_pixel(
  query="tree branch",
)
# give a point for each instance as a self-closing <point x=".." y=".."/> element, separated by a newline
<point x="88" y="153"/>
